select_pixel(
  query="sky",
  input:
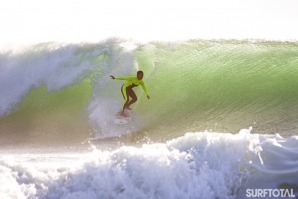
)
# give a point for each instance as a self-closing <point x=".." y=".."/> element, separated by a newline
<point x="35" y="21"/>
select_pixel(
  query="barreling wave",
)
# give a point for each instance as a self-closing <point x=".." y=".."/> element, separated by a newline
<point x="62" y="92"/>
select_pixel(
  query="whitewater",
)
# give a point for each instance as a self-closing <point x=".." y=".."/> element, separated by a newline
<point x="222" y="119"/>
<point x="196" y="165"/>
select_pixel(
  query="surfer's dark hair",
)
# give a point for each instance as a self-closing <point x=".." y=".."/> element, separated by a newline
<point x="140" y="72"/>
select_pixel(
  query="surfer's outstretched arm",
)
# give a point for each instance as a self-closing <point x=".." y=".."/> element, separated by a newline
<point x="121" y="78"/>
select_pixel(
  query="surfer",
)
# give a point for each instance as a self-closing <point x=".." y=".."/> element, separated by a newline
<point x="126" y="89"/>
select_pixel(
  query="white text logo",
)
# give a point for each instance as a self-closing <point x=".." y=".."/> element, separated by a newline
<point x="278" y="193"/>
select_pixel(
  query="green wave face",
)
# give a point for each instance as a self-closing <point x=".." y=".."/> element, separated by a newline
<point x="197" y="85"/>
<point x="223" y="85"/>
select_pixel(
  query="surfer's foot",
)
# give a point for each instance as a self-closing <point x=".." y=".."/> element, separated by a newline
<point x="128" y="108"/>
<point x="123" y="114"/>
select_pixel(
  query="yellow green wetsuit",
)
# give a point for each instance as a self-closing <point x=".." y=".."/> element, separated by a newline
<point x="126" y="89"/>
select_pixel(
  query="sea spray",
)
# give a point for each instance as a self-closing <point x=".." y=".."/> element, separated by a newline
<point x="196" y="165"/>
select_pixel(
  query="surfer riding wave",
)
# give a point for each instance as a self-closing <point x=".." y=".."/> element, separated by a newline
<point x="127" y="89"/>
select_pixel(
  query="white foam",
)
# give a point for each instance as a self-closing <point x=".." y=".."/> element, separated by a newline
<point x="196" y="165"/>
<point x="56" y="66"/>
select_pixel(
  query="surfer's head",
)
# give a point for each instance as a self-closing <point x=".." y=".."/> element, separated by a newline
<point x="140" y="75"/>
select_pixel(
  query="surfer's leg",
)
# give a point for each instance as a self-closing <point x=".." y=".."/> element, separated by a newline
<point x="133" y="96"/>
<point x="125" y="96"/>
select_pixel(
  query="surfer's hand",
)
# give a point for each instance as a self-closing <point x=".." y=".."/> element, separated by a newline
<point x="148" y="97"/>
<point x="112" y="77"/>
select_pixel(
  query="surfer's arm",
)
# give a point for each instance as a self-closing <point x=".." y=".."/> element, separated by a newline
<point x="145" y="89"/>
<point x="122" y="78"/>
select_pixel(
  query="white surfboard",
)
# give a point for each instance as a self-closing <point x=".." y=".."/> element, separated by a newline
<point x="121" y="119"/>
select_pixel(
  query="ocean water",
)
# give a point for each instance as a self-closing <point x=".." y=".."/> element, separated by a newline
<point x="222" y="119"/>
